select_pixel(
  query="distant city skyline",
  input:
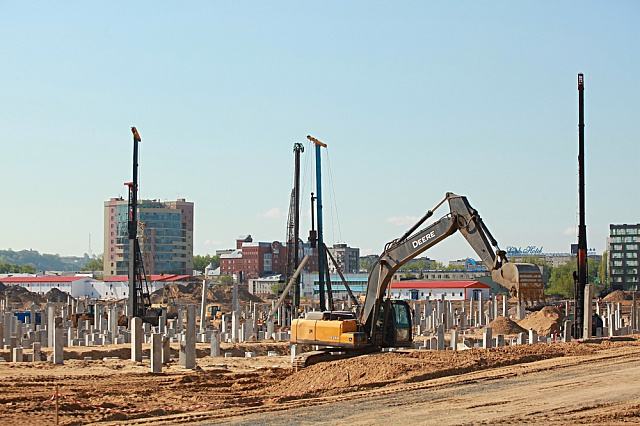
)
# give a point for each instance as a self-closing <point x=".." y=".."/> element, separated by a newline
<point x="413" y="100"/>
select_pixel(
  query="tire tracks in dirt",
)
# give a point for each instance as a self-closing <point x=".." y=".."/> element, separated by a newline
<point x="612" y="356"/>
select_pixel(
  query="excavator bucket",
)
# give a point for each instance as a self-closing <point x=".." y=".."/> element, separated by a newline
<point x="523" y="280"/>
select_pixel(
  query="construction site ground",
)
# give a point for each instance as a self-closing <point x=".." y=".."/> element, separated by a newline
<point x="562" y="383"/>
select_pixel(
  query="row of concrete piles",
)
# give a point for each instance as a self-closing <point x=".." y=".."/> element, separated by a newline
<point x="57" y="330"/>
<point x="432" y="319"/>
<point x="429" y="314"/>
<point x="438" y="318"/>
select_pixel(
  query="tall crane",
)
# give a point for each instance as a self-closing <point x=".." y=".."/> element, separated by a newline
<point x="139" y="299"/>
<point x="293" y="226"/>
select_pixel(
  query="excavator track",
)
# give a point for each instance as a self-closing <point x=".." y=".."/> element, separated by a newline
<point x="329" y="354"/>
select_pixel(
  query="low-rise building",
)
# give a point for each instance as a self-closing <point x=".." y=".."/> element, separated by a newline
<point x="447" y="275"/>
<point x="41" y="284"/>
<point x="254" y="259"/>
<point x="435" y="290"/>
<point x="264" y="286"/>
<point x="356" y="282"/>
<point x="112" y="288"/>
<point x="469" y="265"/>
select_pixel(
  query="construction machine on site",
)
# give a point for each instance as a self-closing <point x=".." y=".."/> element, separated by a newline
<point x="383" y="322"/>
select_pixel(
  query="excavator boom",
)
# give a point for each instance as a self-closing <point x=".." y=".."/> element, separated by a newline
<point x="522" y="280"/>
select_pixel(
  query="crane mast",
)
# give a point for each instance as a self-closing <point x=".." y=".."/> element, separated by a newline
<point x="139" y="299"/>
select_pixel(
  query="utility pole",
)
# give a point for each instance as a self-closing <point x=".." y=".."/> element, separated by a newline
<point x="581" y="276"/>
<point x="321" y="253"/>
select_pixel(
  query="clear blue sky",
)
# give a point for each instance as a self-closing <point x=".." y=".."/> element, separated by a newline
<point x="413" y="98"/>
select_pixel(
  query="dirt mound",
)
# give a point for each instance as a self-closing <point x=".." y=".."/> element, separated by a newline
<point x="546" y="321"/>
<point x="378" y="370"/>
<point x="224" y="294"/>
<point x="20" y="297"/>
<point x="616" y="296"/>
<point x="502" y="325"/>
<point x="55" y="295"/>
<point x="192" y="293"/>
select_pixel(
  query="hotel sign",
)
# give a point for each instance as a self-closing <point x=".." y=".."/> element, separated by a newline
<point x="523" y="251"/>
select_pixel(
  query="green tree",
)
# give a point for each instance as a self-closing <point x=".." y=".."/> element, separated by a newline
<point x="439" y="266"/>
<point x="10" y="268"/>
<point x="561" y="278"/>
<point x="200" y="262"/>
<point x="94" y="264"/>
<point x="602" y="271"/>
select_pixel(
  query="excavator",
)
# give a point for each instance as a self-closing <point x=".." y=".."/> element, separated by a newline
<point x="383" y="322"/>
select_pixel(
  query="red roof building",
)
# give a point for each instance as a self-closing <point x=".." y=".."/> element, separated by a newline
<point x="434" y="290"/>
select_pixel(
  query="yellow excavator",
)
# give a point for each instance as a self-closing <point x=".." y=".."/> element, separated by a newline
<point x="384" y="322"/>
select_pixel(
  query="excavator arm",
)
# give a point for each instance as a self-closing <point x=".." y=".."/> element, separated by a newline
<point x="462" y="217"/>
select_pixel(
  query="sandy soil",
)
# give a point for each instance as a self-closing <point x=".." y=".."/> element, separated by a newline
<point x="600" y="388"/>
<point x="360" y="390"/>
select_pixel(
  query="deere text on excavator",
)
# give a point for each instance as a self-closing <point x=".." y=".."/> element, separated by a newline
<point x="387" y="323"/>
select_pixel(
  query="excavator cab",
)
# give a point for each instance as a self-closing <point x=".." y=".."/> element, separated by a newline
<point x="393" y="328"/>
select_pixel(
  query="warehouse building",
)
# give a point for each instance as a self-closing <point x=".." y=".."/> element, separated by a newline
<point x="112" y="288"/>
<point x="434" y="290"/>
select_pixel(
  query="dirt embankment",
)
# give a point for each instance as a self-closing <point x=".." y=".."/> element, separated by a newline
<point x="192" y="294"/>
<point x="383" y="369"/>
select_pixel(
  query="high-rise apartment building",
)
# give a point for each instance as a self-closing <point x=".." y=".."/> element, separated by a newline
<point x="348" y="258"/>
<point x="165" y="233"/>
<point x="624" y="250"/>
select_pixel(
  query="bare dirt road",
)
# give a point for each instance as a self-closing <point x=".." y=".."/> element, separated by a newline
<point x="602" y="388"/>
<point x="560" y="382"/>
